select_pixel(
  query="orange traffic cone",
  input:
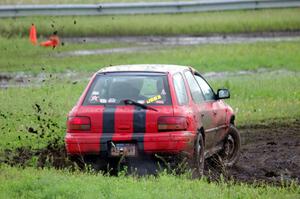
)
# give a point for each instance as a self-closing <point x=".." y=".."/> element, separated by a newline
<point x="52" y="42"/>
<point x="32" y="35"/>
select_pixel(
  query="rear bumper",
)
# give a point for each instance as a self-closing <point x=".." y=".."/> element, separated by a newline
<point x="163" y="142"/>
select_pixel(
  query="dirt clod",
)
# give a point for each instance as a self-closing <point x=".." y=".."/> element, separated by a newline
<point x="271" y="143"/>
<point x="32" y="130"/>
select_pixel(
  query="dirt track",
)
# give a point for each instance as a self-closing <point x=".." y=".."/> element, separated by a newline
<point x="269" y="154"/>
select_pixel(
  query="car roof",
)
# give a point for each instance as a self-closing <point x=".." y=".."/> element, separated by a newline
<point x="164" y="68"/>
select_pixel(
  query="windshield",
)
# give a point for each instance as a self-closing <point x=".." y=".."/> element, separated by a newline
<point x="114" y="88"/>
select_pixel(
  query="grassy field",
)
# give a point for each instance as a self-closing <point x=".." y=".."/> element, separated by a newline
<point x="226" y="22"/>
<point x="20" y="114"/>
<point x="32" y="183"/>
<point x="20" y="55"/>
<point x="263" y="97"/>
<point x="10" y="2"/>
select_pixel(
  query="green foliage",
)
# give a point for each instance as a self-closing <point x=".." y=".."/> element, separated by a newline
<point x="162" y="24"/>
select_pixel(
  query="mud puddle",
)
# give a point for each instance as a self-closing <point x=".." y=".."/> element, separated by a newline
<point x="148" y="43"/>
<point x="107" y="51"/>
<point x="270" y="153"/>
<point x="21" y="79"/>
<point x="187" y="40"/>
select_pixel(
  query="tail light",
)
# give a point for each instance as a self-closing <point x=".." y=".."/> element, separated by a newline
<point x="79" y="123"/>
<point x="171" y="123"/>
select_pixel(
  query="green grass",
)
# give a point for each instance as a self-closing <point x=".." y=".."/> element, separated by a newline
<point x="18" y="114"/>
<point x="11" y="2"/>
<point x="20" y="55"/>
<point x="45" y="183"/>
<point x="263" y="97"/>
<point x="225" y="22"/>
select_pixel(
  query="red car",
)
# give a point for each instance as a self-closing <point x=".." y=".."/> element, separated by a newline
<point x="132" y="110"/>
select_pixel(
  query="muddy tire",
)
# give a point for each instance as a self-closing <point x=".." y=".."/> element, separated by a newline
<point x="231" y="148"/>
<point x="197" y="162"/>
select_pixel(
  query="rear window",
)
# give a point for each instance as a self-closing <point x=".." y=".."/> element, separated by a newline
<point x="114" y="88"/>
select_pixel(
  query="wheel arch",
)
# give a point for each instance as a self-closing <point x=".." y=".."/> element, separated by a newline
<point x="201" y="130"/>
<point x="232" y="119"/>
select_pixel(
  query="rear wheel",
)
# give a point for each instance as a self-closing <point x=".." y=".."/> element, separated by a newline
<point x="197" y="164"/>
<point x="231" y="147"/>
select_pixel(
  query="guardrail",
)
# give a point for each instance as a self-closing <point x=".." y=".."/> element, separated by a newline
<point x="142" y="8"/>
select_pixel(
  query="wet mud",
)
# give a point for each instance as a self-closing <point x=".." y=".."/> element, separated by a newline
<point x="151" y="43"/>
<point x="53" y="155"/>
<point x="21" y="79"/>
<point x="189" y="40"/>
<point x="269" y="154"/>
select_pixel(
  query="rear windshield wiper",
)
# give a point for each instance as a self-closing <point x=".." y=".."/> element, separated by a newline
<point x="132" y="102"/>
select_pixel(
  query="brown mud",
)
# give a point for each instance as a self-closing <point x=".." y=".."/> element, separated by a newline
<point x="269" y="153"/>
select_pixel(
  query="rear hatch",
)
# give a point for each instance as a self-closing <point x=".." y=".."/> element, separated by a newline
<point x="124" y="104"/>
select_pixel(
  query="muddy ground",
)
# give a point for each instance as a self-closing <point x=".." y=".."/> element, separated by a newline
<point x="269" y="153"/>
<point x="21" y="79"/>
<point x="154" y="43"/>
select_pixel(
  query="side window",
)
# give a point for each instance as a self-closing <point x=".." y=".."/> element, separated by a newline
<point x="180" y="89"/>
<point x="207" y="91"/>
<point x="194" y="87"/>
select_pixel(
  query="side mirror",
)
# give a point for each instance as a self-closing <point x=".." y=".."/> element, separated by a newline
<point x="223" y="93"/>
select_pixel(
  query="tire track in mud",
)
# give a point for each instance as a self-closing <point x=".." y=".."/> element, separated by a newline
<point x="151" y="43"/>
<point x="21" y="79"/>
<point x="269" y="153"/>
